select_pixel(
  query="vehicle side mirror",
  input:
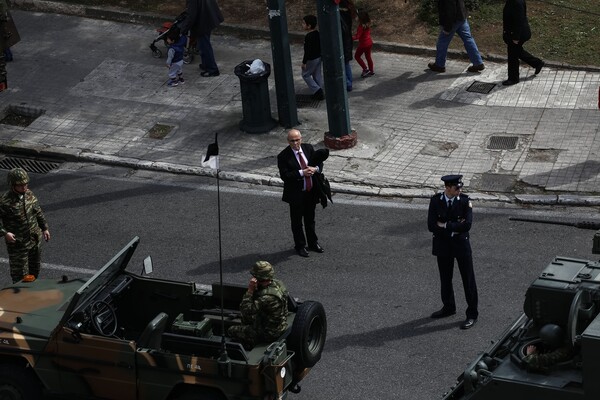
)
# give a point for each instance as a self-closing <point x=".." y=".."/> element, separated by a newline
<point x="147" y="266"/>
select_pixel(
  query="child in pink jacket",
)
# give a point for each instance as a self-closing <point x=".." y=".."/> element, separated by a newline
<point x="365" y="43"/>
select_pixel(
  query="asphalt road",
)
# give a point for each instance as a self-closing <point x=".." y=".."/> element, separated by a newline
<point x="377" y="279"/>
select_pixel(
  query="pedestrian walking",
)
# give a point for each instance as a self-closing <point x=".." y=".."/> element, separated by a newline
<point x="450" y="218"/>
<point x="263" y="308"/>
<point x="347" y="14"/>
<point x="516" y="32"/>
<point x="202" y="17"/>
<point x="311" y="60"/>
<point x="365" y="44"/>
<point x="453" y="20"/>
<point x="23" y="226"/>
<point x="298" y="176"/>
<point x="176" y="43"/>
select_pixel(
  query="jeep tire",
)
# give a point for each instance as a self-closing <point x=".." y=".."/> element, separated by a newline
<point x="18" y="383"/>
<point x="307" y="337"/>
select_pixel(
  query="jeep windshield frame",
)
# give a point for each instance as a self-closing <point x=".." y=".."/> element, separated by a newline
<point x="101" y="279"/>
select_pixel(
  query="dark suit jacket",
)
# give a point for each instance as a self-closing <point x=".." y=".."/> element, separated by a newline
<point x="289" y="168"/>
<point x="458" y="220"/>
<point x="202" y="17"/>
<point x="514" y="21"/>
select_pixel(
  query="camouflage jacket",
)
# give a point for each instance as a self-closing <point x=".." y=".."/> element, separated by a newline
<point x="266" y="310"/>
<point x="23" y="216"/>
<point x="544" y="361"/>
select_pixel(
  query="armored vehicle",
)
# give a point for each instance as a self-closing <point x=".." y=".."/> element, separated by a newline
<point x="566" y="295"/>
<point x="121" y="335"/>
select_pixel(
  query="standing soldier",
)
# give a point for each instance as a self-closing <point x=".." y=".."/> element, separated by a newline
<point x="264" y="308"/>
<point x="449" y="219"/>
<point x="23" y="226"/>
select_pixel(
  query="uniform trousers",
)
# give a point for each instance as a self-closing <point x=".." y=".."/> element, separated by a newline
<point x="24" y="260"/>
<point x="465" y="266"/>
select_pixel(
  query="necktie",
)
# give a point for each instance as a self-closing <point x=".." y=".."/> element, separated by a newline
<point x="307" y="180"/>
<point x="449" y="204"/>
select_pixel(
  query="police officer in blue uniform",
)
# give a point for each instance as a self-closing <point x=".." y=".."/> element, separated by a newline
<point x="449" y="219"/>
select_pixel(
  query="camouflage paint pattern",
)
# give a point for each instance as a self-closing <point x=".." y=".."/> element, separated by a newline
<point x="23" y="216"/>
<point x="545" y="361"/>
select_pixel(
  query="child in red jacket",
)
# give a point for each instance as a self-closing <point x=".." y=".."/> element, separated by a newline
<point x="365" y="43"/>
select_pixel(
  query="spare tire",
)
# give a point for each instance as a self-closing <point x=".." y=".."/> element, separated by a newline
<point x="307" y="337"/>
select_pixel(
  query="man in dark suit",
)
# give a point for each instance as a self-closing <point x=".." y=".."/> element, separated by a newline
<point x="516" y="33"/>
<point x="449" y="219"/>
<point x="298" y="182"/>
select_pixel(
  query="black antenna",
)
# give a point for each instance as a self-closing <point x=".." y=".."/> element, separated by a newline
<point x="223" y="361"/>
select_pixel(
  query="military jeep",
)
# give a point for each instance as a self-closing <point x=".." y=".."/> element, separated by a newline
<point x="121" y="335"/>
<point x="567" y="294"/>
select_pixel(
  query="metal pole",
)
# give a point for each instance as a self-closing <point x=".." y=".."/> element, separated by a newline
<point x="282" y="64"/>
<point x="332" y="55"/>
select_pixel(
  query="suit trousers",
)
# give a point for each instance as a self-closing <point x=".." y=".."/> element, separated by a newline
<point x="304" y="210"/>
<point x="516" y="52"/>
<point x="465" y="266"/>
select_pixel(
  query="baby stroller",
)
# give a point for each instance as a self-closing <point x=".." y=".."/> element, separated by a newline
<point x="163" y="32"/>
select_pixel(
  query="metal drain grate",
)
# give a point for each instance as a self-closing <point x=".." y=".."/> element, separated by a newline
<point x="306" y="101"/>
<point x="503" y="143"/>
<point x="29" y="165"/>
<point x="481" y="87"/>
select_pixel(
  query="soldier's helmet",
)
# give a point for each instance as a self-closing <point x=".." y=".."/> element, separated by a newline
<point x="552" y="335"/>
<point x="17" y="176"/>
<point x="262" y="270"/>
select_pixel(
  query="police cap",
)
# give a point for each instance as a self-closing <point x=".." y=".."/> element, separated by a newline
<point x="453" y="180"/>
<point x="262" y="270"/>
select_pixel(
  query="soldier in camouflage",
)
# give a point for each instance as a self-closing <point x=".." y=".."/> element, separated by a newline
<point x="23" y="226"/>
<point x="264" y="308"/>
<point x="555" y="350"/>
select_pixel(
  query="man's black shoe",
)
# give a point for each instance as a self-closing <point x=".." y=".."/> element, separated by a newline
<point x="442" y="313"/>
<point x="302" y="252"/>
<point x="316" y="248"/>
<point x="508" y="82"/>
<point x="539" y="67"/>
<point x="469" y="323"/>
<point x="318" y="95"/>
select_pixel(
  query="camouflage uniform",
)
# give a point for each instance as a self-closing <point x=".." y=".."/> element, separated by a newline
<point x="264" y="313"/>
<point x="21" y="215"/>
<point x="543" y="361"/>
<point x="3" y="19"/>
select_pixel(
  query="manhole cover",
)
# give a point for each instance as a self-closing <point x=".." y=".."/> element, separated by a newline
<point x="503" y="143"/>
<point x="28" y="164"/>
<point x="491" y="182"/>
<point x="306" y="101"/>
<point x="481" y="87"/>
<point x="159" y="131"/>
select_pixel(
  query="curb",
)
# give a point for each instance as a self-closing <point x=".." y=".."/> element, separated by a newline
<point x="76" y="155"/>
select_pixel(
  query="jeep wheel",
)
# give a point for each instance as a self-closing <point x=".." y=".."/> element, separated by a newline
<point x="307" y="337"/>
<point x="17" y="383"/>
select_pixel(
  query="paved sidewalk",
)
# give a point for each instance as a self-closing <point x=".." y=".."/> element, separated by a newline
<point x="98" y="92"/>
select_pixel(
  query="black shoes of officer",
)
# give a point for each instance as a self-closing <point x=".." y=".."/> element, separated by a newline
<point x="316" y="248"/>
<point x="302" y="252"/>
<point x="469" y="323"/>
<point x="443" y="313"/>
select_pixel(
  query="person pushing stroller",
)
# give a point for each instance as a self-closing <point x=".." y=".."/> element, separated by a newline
<point x="176" y="43"/>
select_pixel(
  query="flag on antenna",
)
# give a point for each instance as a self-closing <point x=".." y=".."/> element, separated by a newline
<point x="212" y="156"/>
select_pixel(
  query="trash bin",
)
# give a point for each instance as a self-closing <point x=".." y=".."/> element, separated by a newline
<point x="256" y="106"/>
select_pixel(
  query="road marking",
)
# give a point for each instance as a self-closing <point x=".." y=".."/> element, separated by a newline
<point x="59" y="267"/>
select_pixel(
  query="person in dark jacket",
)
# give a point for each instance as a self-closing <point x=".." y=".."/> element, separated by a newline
<point x="453" y="19"/>
<point x="516" y="32"/>
<point x="299" y="190"/>
<point x="450" y="218"/>
<point x="202" y="17"/>
<point x="176" y="43"/>
<point x="347" y="15"/>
